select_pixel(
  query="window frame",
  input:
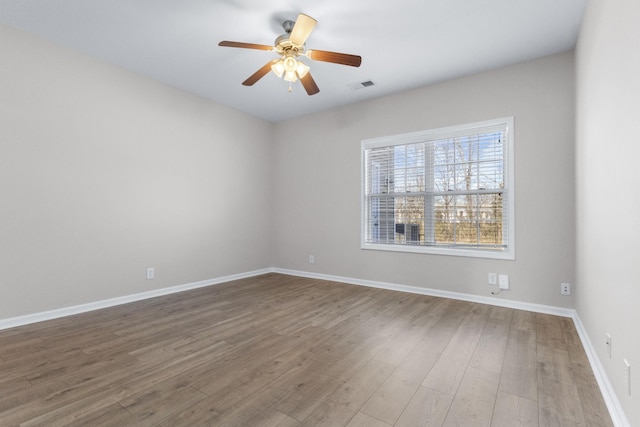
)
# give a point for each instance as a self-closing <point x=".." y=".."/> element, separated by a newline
<point x="438" y="134"/>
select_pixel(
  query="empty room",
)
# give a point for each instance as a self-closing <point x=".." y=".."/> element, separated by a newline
<point x="283" y="213"/>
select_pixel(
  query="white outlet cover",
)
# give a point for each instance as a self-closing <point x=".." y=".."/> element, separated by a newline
<point x="503" y="281"/>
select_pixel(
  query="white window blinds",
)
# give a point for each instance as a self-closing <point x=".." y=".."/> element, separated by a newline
<point x="442" y="191"/>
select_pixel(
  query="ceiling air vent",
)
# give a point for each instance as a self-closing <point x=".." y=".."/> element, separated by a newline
<point x="361" y="85"/>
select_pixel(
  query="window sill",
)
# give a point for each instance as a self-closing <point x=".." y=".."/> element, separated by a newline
<point x="433" y="250"/>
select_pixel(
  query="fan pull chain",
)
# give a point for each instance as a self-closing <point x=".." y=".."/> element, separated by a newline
<point x="290" y="89"/>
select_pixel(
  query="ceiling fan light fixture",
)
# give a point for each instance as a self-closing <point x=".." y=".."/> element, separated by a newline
<point x="278" y="68"/>
<point x="290" y="63"/>
<point x="302" y="69"/>
<point x="290" y="69"/>
<point x="290" y="76"/>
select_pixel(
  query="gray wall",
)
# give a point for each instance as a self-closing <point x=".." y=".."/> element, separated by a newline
<point x="316" y="208"/>
<point x="608" y="201"/>
<point x="104" y="173"/>
<point x="107" y="173"/>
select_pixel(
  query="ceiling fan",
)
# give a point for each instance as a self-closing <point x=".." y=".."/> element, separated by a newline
<point x="290" y="46"/>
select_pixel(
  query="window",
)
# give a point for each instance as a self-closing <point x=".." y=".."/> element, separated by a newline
<point x="444" y="191"/>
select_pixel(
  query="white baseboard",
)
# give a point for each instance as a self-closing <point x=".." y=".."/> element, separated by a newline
<point x="613" y="404"/>
<point x="538" y="308"/>
<point x="97" y="305"/>
<point x="618" y="417"/>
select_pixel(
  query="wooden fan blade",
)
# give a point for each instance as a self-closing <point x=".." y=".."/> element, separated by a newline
<point x="309" y="84"/>
<point x="245" y="45"/>
<point x="259" y="74"/>
<point x="335" y="57"/>
<point x="302" y="28"/>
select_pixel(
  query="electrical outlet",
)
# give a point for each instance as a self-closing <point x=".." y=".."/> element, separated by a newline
<point x="503" y="281"/>
<point x="151" y="272"/>
<point x="565" y="289"/>
<point x="608" y="342"/>
<point x="312" y="259"/>
<point x="492" y="279"/>
<point x="627" y="375"/>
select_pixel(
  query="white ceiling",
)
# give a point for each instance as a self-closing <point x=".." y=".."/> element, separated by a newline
<point x="403" y="44"/>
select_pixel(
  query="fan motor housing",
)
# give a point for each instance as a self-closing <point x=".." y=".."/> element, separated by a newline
<point x="283" y="45"/>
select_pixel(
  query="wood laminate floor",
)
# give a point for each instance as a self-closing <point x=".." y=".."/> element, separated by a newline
<point x="278" y="350"/>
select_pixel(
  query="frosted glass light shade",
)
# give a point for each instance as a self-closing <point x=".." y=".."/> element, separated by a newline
<point x="278" y="68"/>
<point x="302" y="69"/>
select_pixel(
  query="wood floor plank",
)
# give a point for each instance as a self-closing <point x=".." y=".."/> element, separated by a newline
<point x="278" y="350"/>
<point x="274" y="418"/>
<point x="310" y="389"/>
<point x="364" y="420"/>
<point x="427" y="408"/>
<point x="365" y="351"/>
<point x="451" y="366"/>
<point x="232" y="386"/>
<point x="72" y="412"/>
<point x="389" y="401"/>
<point x="489" y="353"/>
<point x="152" y="405"/>
<point x="524" y="320"/>
<point x="554" y="363"/>
<point x="296" y="393"/>
<point x="593" y="407"/>
<point x="20" y="367"/>
<point x="13" y="385"/>
<point x="474" y="402"/>
<point x="12" y="349"/>
<point x="559" y="403"/>
<point x="502" y="313"/>
<point x="113" y="415"/>
<point x="515" y="411"/>
<point x="201" y="413"/>
<point x="79" y="396"/>
<point x="549" y="331"/>
<point x="409" y="330"/>
<point x="341" y="406"/>
<point x="519" y="369"/>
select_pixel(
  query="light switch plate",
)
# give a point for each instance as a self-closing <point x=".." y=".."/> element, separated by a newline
<point x="492" y="279"/>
